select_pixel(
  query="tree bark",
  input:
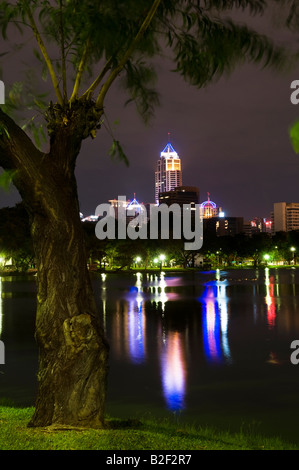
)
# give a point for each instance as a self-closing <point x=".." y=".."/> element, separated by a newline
<point x="72" y="348"/>
<point x="73" y="351"/>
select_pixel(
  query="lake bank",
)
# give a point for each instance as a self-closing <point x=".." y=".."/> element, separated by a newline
<point x="126" y="435"/>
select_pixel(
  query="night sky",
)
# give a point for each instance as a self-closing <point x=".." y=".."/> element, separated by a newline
<point x="232" y="138"/>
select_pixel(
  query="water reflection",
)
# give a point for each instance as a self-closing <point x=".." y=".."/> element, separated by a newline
<point x="157" y="288"/>
<point x="173" y="371"/>
<point x="104" y="300"/>
<point x="223" y="311"/>
<point x="270" y="299"/>
<point x="159" y="348"/>
<point x="137" y="332"/>
<point x="215" y="321"/>
<point x="129" y="333"/>
<point x="129" y="325"/>
<point x="137" y="325"/>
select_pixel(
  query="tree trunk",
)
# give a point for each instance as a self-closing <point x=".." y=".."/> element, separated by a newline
<point x="73" y="352"/>
<point x="72" y="349"/>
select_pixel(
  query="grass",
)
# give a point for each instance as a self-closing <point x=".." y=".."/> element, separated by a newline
<point x="125" y="435"/>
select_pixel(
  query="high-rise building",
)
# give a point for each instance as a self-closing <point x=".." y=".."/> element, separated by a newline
<point x="285" y="217"/>
<point x="168" y="174"/>
<point x="223" y="226"/>
<point x="180" y="195"/>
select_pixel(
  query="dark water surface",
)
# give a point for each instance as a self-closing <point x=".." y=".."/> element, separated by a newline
<point x="207" y="347"/>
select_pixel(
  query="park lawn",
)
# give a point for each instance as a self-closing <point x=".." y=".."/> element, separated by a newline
<point x="124" y="435"/>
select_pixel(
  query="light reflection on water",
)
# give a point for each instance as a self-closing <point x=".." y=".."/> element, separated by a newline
<point x="129" y="330"/>
<point x="176" y="340"/>
<point x="173" y="371"/>
<point x="134" y="322"/>
<point x="215" y="322"/>
<point x="270" y="299"/>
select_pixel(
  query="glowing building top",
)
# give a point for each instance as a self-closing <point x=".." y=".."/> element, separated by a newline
<point x="210" y="209"/>
<point x="169" y="152"/>
<point x="135" y="206"/>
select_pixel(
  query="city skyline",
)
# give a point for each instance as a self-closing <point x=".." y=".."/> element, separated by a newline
<point x="232" y="135"/>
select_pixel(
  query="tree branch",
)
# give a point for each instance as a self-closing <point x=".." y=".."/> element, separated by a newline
<point x="115" y="72"/>
<point x="98" y="80"/>
<point x="62" y="53"/>
<point x="45" y="55"/>
<point x="19" y="154"/>
<point x="80" y="72"/>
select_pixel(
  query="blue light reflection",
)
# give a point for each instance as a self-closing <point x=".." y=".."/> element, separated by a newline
<point x="215" y="322"/>
<point x="136" y="323"/>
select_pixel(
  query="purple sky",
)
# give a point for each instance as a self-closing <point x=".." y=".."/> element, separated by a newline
<point x="232" y="138"/>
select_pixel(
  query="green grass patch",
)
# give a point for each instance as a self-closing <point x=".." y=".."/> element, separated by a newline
<point x="125" y="435"/>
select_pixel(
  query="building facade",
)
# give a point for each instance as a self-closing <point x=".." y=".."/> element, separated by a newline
<point x="223" y="226"/>
<point x="257" y="225"/>
<point x="285" y="217"/>
<point x="168" y="174"/>
<point x="180" y="195"/>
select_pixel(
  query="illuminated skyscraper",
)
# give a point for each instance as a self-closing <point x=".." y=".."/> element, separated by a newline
<point x="168" y="174"/>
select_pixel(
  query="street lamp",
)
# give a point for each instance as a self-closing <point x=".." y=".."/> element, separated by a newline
<point x="293" y="249"/>
<point x="267" y="257"/>
<point x="162" y="258"/>
<point x="138" y="259"/>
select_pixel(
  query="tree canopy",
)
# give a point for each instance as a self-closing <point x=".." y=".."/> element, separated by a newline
<point x="84" y="47"/>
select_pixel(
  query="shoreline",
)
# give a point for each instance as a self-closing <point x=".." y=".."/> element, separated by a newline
<point x="33" y="273"/>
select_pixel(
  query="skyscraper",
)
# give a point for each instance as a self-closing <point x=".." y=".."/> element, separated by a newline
<point x="285" y="217"/>
<point x="168" y="174"/>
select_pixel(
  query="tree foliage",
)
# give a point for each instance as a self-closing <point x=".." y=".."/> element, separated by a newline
<point x="93" y="43"/>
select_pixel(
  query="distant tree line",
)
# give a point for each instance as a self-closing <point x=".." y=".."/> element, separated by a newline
<point x="15" y="245"/>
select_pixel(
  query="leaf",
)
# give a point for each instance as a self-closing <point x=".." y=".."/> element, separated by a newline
<point x="3" y="130"/>
<point x="117" y="151"/>
<point x="294" y="136"/>
<point x="36" y="130"/>
<point x="6" y="179"/>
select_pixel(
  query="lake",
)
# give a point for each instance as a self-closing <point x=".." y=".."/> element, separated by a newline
<point x="202" y="347"/>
